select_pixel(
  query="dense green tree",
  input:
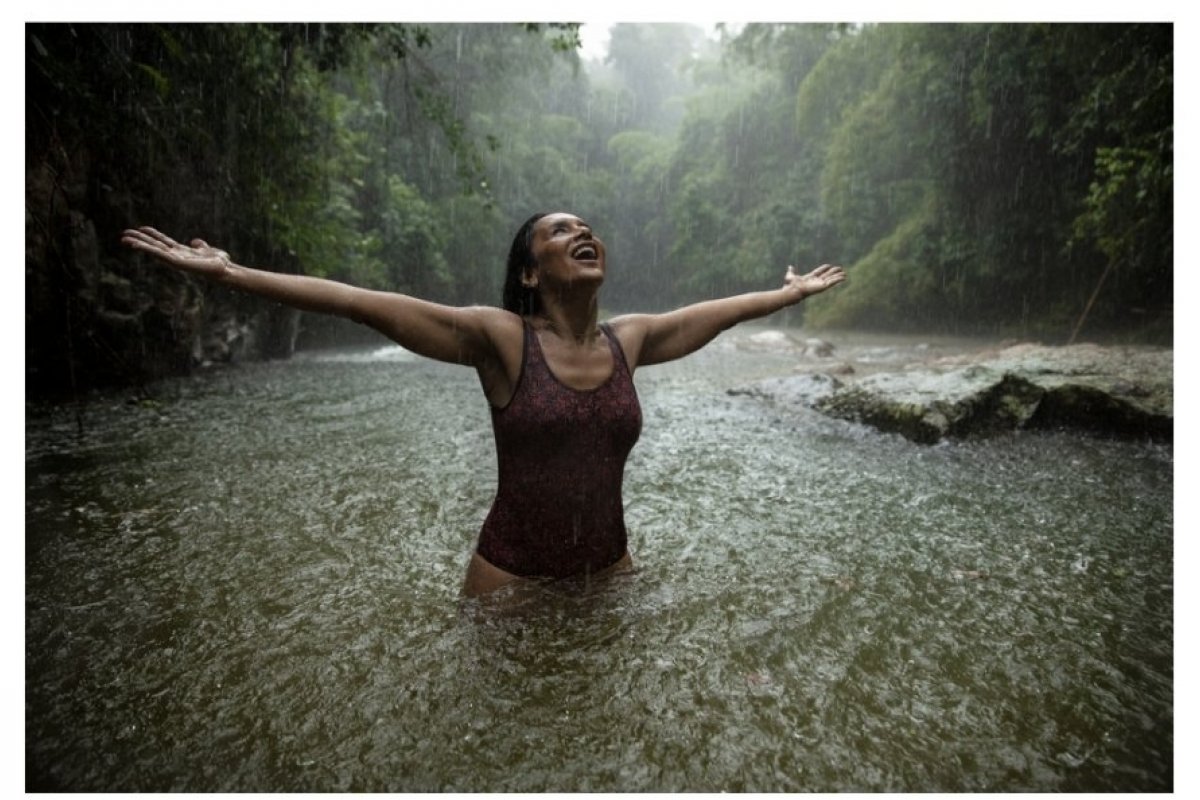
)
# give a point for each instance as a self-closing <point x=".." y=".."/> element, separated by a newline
<point x="296" y="147"/>
<point x="745" y="201"/>
<point x="1124" y="120"/>
<point x="978" y="142"/>
<point x="974" y="177"/>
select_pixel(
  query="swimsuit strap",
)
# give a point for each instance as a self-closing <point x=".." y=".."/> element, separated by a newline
<point x="615" y="346"/>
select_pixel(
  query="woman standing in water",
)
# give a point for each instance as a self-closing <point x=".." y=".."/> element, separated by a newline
<point x="559" y="382"/>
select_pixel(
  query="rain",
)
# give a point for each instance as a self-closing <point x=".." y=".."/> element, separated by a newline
<point x="911" y="534"/>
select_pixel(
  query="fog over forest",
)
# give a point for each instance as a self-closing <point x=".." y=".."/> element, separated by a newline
<point x="1009" y="180"/>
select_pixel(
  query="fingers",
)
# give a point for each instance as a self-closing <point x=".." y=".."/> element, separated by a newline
<point x="131" y="235"/>
<point x="829" y="274"/>
<point x="148" y="239"/>
<point x="157" y="236"/>
<point x="821" y="271"/>
<point x="823" y="277"/>
<point x="140" y="241"/>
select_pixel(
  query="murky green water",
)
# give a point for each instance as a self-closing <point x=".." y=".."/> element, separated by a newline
<point x="252" y="584"/>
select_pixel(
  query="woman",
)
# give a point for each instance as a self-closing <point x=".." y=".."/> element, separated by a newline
<point x="564" y="410"/>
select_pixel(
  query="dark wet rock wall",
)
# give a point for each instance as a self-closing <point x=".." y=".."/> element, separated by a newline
<point x="97" y="315"/>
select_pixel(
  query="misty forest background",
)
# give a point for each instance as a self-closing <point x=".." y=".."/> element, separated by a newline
<point x="975" y="179"/>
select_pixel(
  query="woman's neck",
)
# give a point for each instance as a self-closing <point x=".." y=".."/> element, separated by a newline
<point x="572" y="318"/>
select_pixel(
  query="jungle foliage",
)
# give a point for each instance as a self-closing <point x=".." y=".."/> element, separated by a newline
<point x="973" y="178"/>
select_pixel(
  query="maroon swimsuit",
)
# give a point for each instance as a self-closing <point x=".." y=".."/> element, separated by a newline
<point x="561" y="454"/>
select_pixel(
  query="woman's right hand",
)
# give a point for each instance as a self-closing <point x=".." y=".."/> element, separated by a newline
<point x="198" y="257"/>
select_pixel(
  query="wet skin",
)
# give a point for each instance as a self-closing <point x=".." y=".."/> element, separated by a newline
<point x="569" y="268"/>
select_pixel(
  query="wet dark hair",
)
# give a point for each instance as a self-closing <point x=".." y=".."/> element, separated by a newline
<point x="518" y="298"/>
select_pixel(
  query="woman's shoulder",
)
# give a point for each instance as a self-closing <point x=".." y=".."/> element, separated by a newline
<point x="506" y="331"/>
<point x="630" y="326"/>
<point x="499" y="323"/>
<point x="630" y="332"/>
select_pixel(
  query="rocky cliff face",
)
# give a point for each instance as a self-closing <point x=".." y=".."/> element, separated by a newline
<point x="98" y="315"/>
<point x="926" y="397"/>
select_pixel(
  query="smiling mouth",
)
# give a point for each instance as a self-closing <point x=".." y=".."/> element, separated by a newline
<point x="585" y="252"/>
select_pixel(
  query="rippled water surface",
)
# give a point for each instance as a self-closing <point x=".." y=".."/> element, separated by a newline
<point x="250" y="581"/>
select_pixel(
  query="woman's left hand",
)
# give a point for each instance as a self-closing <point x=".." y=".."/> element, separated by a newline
<point x="823" y="277"/>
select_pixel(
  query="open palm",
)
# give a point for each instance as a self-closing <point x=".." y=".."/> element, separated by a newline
<point x="823" y="277"/>
<point x="198" y="257"/>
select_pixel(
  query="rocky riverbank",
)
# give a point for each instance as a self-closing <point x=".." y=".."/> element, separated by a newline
<point x="928" y="392"/>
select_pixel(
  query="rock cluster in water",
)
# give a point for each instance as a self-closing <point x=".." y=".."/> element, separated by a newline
<point x="1122" y="391"/>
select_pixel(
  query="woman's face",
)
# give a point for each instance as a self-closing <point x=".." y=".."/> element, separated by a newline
<point x="565" y="251"/>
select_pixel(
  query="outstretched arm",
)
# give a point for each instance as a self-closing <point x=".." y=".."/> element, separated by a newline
<point x="655" y="338"/>
<point x="446" y="333"/>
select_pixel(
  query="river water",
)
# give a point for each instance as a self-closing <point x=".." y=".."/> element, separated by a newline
<point x="249" y="580"/>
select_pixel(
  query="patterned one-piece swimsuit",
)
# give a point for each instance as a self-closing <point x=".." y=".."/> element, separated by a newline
<point x="561" y="452"/>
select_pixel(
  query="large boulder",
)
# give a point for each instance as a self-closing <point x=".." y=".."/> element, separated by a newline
<point x="1122" y="391"/>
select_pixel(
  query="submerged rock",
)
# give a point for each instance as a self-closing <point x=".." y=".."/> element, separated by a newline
<point x="1122" y="391"/>
<point x="818" y="347"/>
<point x="769" y="341"/>
<point x="806" y="389"/>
